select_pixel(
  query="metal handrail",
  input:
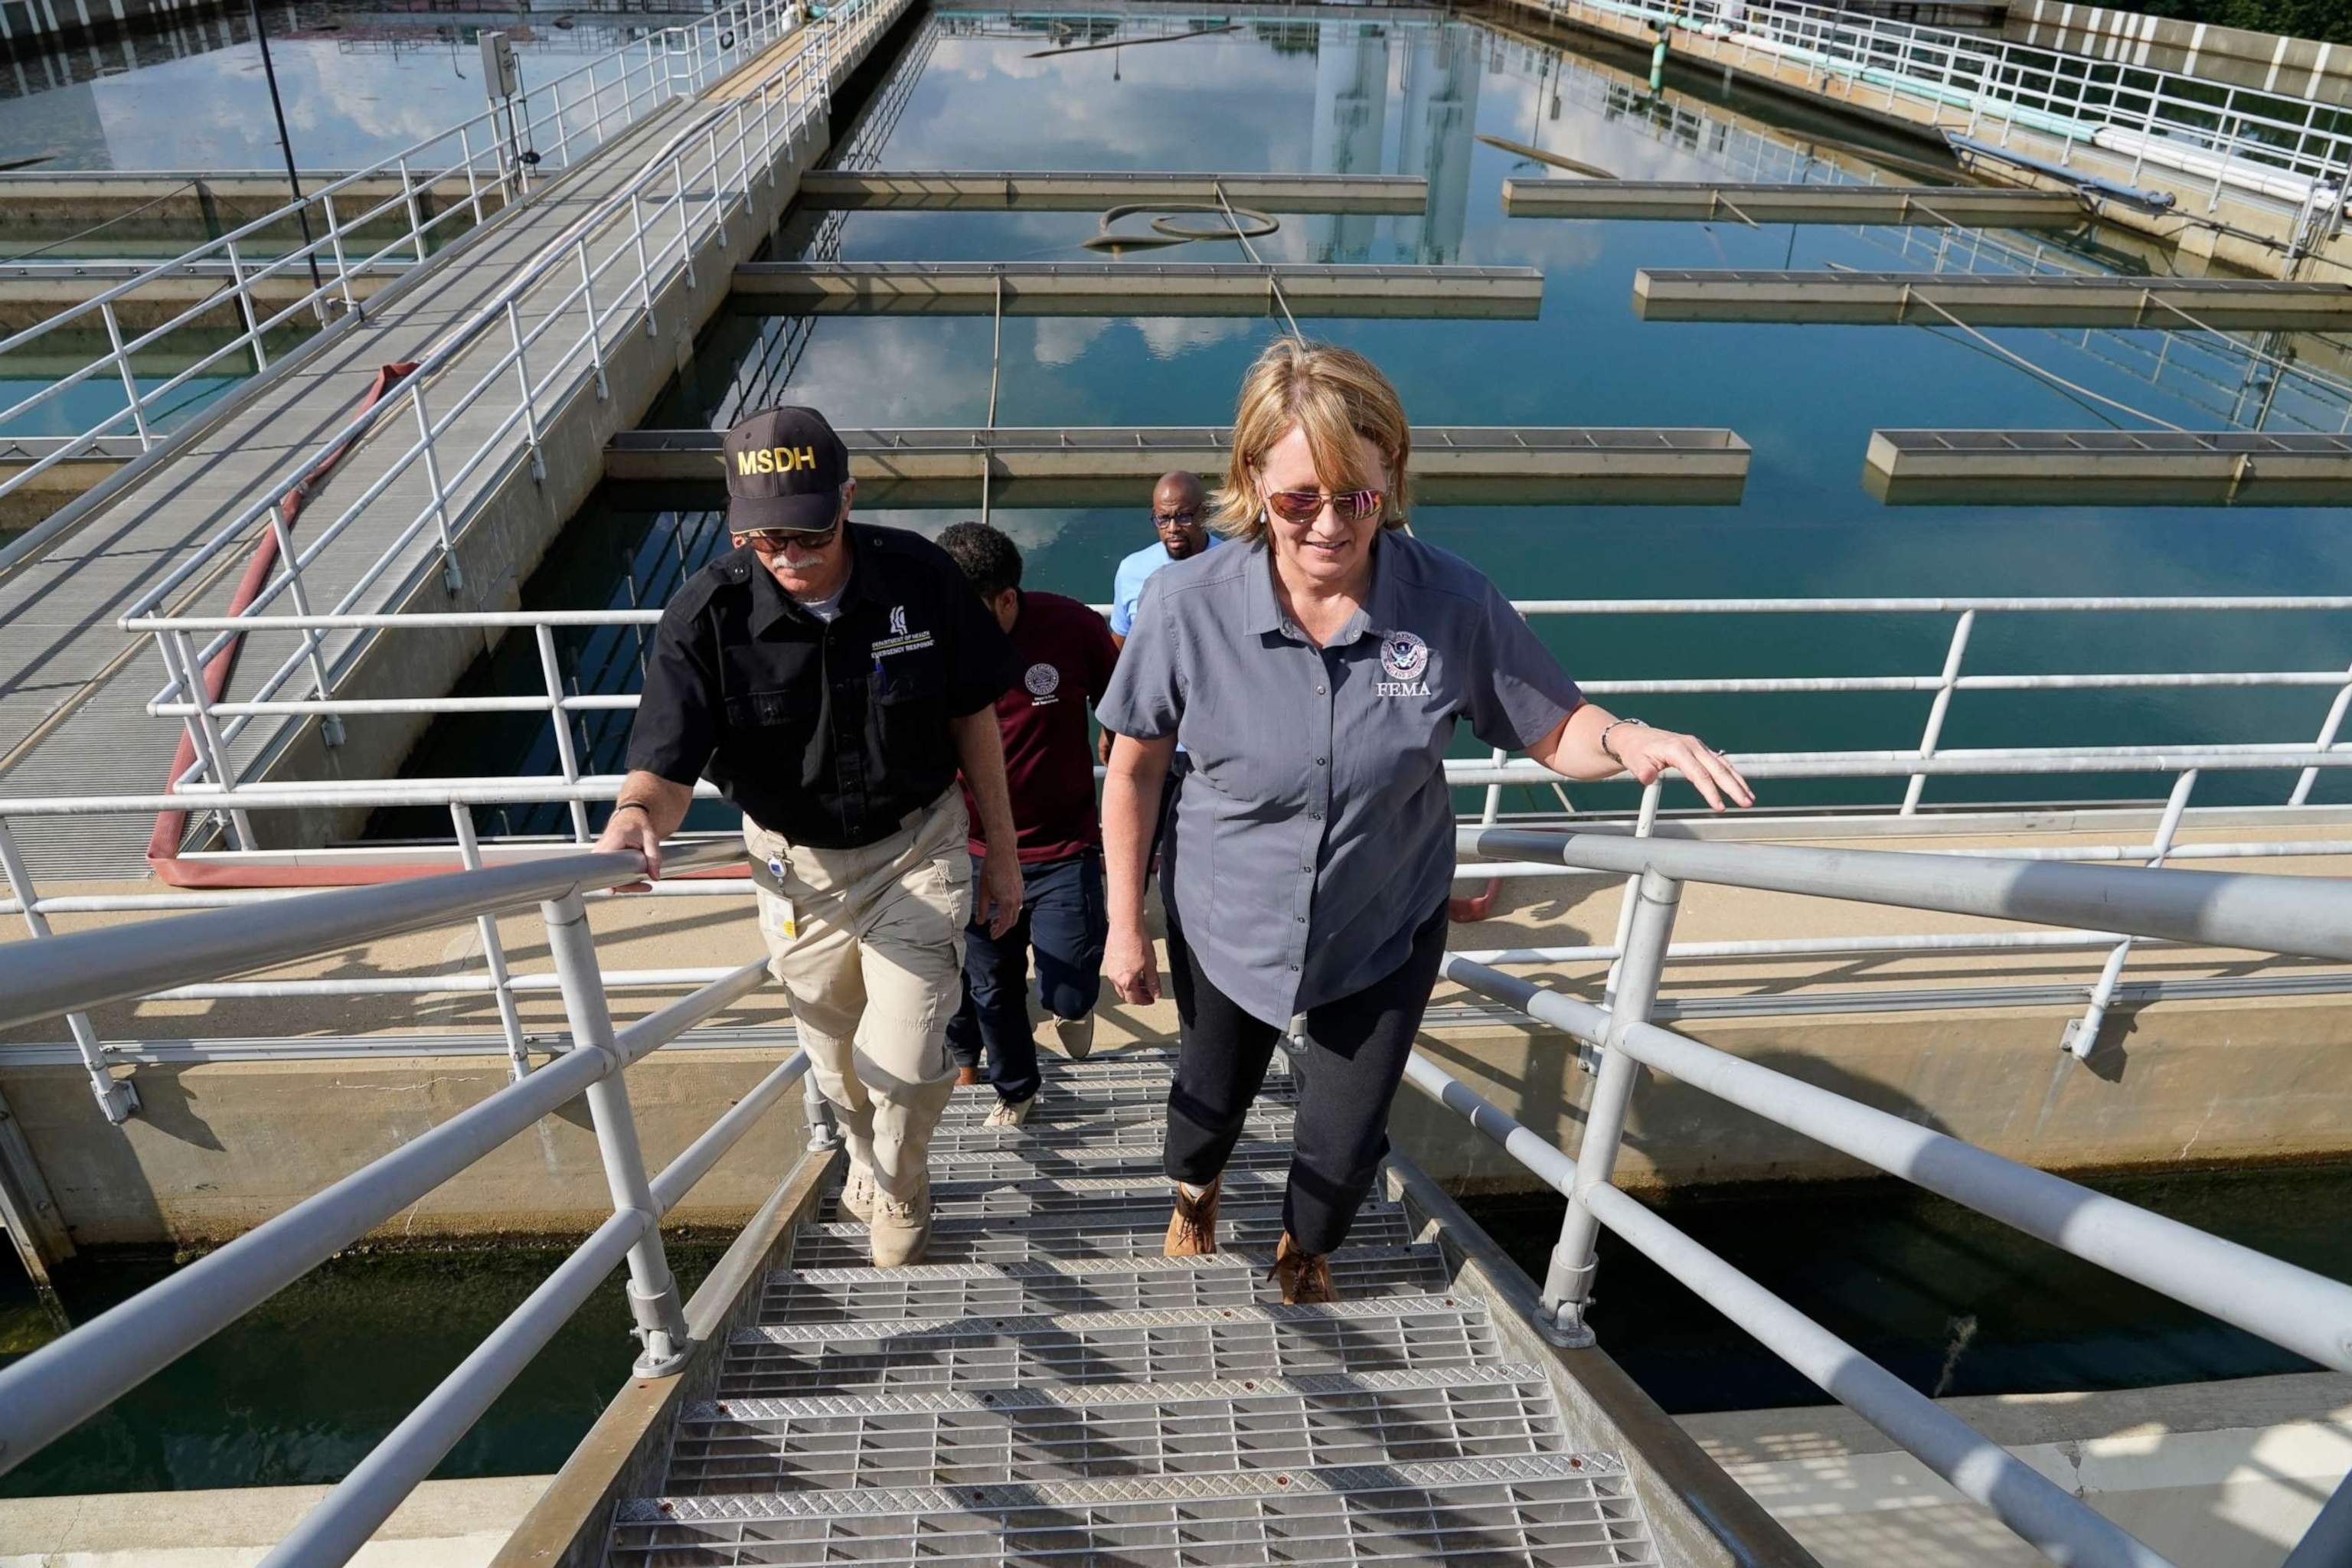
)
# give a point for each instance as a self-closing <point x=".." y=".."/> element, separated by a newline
<point x="2069" y="95"/>
<point x="672" y="62"/>
<point x="55" y="1388"/>
<point x="2295" y="1307"/>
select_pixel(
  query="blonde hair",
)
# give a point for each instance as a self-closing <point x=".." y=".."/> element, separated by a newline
<point x="1334" y="394"/>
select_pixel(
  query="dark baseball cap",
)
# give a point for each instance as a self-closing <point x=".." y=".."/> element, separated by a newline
<point x="785" y="469"/>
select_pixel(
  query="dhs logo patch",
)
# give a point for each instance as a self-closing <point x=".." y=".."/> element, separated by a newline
<point x="1043" y="681"/>
<point x="1405" y="657"/>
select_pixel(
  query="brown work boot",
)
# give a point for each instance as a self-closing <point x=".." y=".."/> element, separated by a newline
<point x="1192" y="1230"/>
<point x="967" y="1077"/>
<point x="1304" y="1276"/>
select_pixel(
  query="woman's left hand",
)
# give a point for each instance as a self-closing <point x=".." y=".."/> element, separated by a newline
<point x="1648" y="752"/>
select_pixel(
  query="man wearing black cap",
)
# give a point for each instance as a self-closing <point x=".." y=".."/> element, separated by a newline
<point x="831" y="677"/>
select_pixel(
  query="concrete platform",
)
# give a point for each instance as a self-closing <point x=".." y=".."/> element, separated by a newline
<point x="1134" y="289"/>
<point x="1942" y="206"/>
<point x="850" y="190"/>
<point x="1086" y="466"/>
<point x="2107" y="467"/>
<point x="1899" y="298"/>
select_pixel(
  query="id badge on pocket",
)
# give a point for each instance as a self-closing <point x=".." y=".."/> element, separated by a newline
<point x="784" y="920"/>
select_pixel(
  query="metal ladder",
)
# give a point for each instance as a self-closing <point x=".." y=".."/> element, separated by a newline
<point x="1048" y="1388"/>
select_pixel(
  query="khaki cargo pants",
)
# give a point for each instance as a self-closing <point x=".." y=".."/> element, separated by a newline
<point x="874" y="965"/>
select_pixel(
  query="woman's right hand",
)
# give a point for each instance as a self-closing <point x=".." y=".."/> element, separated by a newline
<point x="1133" y="969"/>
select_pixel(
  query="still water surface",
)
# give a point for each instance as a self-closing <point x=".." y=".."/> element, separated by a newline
<point x="1416" y="98"/>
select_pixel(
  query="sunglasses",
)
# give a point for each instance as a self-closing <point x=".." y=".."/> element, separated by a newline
<point x="1176" y="518"/>
<point x="1305" y="505"/>
<point x="777" y="537"/>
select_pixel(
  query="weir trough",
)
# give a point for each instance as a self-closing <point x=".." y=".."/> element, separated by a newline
<point x="2108" y="467"/>
<point x="1110" y="466"/>
<point x="850" y="190"/>
<point x="1702" y="201"/>
<point x="1134" y="289"/>
<point x="1933" y="298"/>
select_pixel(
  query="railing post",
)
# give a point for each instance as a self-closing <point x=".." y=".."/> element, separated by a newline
<point x="416" y="215"/>
<point x="204" y="735"/>
<point x="529" y="407"/>
<point x="342" y="263"/>
<point x="466" y="162"/>
<point x="117" y="1098"/>
<point x="452" y="576"/>
<point x="330" y="725"/>
<point x="2328" y="729"/>
<point x="645" y="268"/>
<point x="244" y="303"/>
<point x="1942" y="705"/>
<point x="2081" y="1034"/>
<point x="595" y="327"/>
<point x="1645" y="822"/>
<point x="494" y="952"/>
<point x="1568" y="1284"/>
<point x="565" y="752"/>
<point x="822" y="1133"/>
<point x="653" y="1291"/>
<point x="130" y="382"/>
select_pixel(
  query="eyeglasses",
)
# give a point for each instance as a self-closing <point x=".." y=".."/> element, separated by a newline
<point x="777" y="537"/>
<point x="1176" y="518"/>
<point x="1305" y="505"/>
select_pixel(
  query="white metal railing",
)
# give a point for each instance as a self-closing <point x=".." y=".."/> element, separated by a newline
<point x="48" y="1392"/>
<point x="358" y="227"/>
<point x="2305" y="1313"/>
<point x="2279" y="145"/>
<point x="596" y="280"/>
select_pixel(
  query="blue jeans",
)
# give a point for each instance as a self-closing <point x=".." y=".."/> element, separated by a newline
<point x="1064" y="917"/>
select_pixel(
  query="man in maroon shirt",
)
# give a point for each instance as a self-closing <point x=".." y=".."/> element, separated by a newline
<point x="1066" y="654"/>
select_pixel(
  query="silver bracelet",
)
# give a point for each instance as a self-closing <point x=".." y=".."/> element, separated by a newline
<point x="1612" y="757"/>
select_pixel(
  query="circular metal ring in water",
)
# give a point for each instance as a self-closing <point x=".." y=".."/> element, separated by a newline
<point x="1168" y="227"/>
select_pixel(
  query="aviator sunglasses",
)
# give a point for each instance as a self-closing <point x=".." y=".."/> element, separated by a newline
<point x="777" y="537"/>
<point x="1305" y="505"/>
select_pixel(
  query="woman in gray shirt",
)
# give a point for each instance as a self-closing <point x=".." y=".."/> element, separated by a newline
<point x="1315" y="676"/>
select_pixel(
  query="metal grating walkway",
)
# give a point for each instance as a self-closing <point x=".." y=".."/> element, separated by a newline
<point x="1048" y="1388"/>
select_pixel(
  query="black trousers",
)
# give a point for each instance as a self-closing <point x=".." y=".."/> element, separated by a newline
<point x="1356" y="1052"/>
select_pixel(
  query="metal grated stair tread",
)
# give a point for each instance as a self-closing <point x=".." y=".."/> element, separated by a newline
<point x="1016" y="1164"/>
<point x="1105" y="1231"/>
<point x="1054" y="1285"/>
<point x="1097" y="1431"/>
<point x="1079" y="1195"/>
<point x="1392" y="1333"/>
<point x="1146" y="1135"/>
<point x="1559" y="1511"/>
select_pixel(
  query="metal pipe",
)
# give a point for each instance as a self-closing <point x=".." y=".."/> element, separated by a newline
<point x="2303" y="1311"/>
<point x="88" y="969"/>
<point x="2307" y="916"/>
<point x="335" y="1532"/>
<point x="494" y="952"/>
<point x="654" y="1299"/>
<point x="1568" y="1280"/>
<point x="117" y="1100"/>
<point x="1557" y="1170"/>
<point x="2062" y="1526"/>
<point x="2081" y="1036"/>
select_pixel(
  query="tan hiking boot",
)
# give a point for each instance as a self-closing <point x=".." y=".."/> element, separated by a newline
<point x="857" y="1192"/>
<point x="900" y="1229"/>
<point x="1074" y="1037"/>
<point x="1304" y="1276"/>
<point x="967" y="1077"/>
<point x="1192" y="1230"/>
<point x="1011" y="1112"/>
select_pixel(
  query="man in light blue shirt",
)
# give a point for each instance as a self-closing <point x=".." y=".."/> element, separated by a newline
<point x="1180" y="511"/>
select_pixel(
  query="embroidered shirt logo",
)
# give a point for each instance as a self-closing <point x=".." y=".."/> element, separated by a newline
<point x="1043" y="681"/>
<point x="1403" y="655"/>
<point x="897" y="620"/>
<point x="1406" y="659"/>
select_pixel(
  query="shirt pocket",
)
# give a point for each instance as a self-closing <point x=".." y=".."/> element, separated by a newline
<point x="910" y="708"/>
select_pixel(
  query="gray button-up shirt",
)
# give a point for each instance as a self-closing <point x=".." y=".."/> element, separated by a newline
<point x="1314" y="830"/>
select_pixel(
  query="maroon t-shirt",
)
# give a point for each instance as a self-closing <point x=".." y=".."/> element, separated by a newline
<point x="1064" y="654"/>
